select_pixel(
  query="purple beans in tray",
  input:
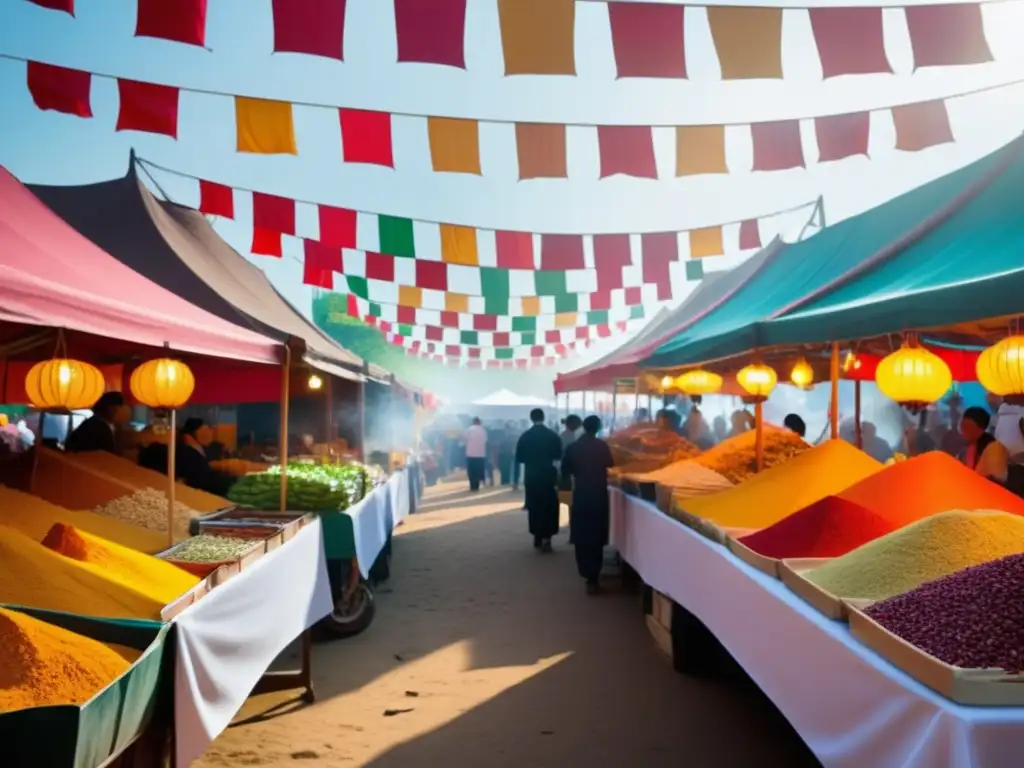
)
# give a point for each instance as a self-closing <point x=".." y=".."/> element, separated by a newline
<point x="973" y="618"/>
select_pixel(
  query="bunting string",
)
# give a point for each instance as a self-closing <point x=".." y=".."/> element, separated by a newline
<point x="441" y="266"/>
<point x="538" y="37"/>
<point x="267" y="127"/>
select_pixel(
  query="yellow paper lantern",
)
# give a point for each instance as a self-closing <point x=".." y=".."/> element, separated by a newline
<point x="1000" y="368"/>
<point x="62" y="384"/>
<point x="802" y="374"/>
<point x="3" y="420"/>
<point x="315" y="382"/>
<point x="913" y="377"/>
<point x="666" y="382"/>
<point x="758" y="380"/>
<point x="698" y="382"/>
<point x="163" y="383"/>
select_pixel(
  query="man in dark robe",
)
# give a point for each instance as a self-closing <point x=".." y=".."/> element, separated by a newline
<point x="98" y="432"/>
<point x="538" y="449"/>
<point x="587" y="461"/>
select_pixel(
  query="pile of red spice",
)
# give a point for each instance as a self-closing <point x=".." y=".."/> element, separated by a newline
<point x="828" y="528"/>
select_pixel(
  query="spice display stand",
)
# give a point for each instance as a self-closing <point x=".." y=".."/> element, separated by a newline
<point x="772" y="633"/>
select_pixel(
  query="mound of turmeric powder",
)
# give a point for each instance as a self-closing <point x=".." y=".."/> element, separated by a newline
<point x="34" y="576"/>
<point x="45" y="665"/>
<point x="150" y="575"/>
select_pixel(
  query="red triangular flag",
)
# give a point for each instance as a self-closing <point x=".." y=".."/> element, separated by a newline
<point x="314" y="27"/>
<point x="181" y="21"/>
<point x="147" y="107"/>
<point x="68" y="6"/>
<point x="266" y="242"/>
<point x="216" y="199"/>
<point x="60" y="89"/>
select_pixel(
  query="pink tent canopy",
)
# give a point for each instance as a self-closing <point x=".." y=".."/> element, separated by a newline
<point x="52" y="276"/>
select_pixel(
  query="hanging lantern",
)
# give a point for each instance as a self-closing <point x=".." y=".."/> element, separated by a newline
<point x="697" y="383"/>
<point x="315" y="382"/>
<point x="64" y="385"/>
<point x="163" y="383"/>
<point x="802" y="374"/>
<point x="666" y="382"/>
<point x="913" y="377"/>
<point x="758" y="380"/>
<point x="1000" y="368"/>
<point x="3" y="420"/>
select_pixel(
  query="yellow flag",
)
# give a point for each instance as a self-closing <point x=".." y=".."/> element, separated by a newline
<point x="458" y="245"/>
<point x="454" y="145"/>
<point x="565" y="320"/>
<point x="538" y="36"/>
<point x="748" y="41"/>
<point x="264" y="127"/>
<point x="408" y="296"/>
<point x="706" y="242"/>
<point x="531" y="306"/>
<point x="456" y="302"/>
<point x="700" y="149"/>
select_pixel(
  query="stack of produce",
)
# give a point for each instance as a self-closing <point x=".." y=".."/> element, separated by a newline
<point x="238" y="467"/>
<point x="828" y="528"/>
<point x="207" y="548"/>
<point x="686" y="478"/>
<point x="736" y="458"/>
<point x="923" y="551"/>
<point x="776" y="493"/>
<point x="972" y="619"/>
<point x="149" y="575"/>
<point x="37" y="577"/>
<point x="34" y="517"/>
<point x="148" y="508"/>
<point x="927" y="484"/>
<point x="648" y="447"/>
<point x="311" y="487"/>
<point x="44" y="665"/>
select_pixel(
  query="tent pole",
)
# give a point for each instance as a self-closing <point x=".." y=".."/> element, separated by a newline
<point x="833" y="408"/>
<point x="615" y="409"/>
<point x="362" y="419"/>
<point x="282" y="440"/>
<point x="172" y="460"/>
<point x="329" y="406"/>
<point x="858" y="438"/>
<point x="759" y="434"/>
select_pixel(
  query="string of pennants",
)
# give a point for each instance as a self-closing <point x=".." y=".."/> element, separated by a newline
<point x="457" y="268"/>
<point x="542" y="149"/>
<point x="538" y="37"/>
<point x="488" y="331"/>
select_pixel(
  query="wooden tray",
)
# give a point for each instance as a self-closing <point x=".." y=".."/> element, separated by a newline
<point x="704" y="527"/>
<point x="663" y="498"/>
<point x="768" y="565"/>
<point x="975" y="687"/>
<point x="792" y="570"/>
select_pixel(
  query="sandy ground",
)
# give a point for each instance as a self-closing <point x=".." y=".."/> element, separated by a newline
<point x="487" y="653"/>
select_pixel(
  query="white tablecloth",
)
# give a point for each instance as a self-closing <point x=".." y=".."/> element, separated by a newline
<point x="228" y="639"/>
<point x="851" y="707"/>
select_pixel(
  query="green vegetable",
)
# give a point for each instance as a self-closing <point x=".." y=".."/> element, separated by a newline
<point x="211" y="549"/>
<point x="311" y="487"/>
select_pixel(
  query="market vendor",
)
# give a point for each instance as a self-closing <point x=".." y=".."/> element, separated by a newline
<point x="192" y="465"/>
<point x="98" y="432"/>
<point x="984" y="453"/>
<point x="587" y="462"/>
<point x="538" y="449"/>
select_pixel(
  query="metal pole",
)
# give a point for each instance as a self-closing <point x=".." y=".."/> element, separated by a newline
<point x="759" y="435"/>
<point x="833" y="408"/>
<point x="615" y="408"/>
<point x="329" y="399"/>
<point x="172" y="456"/>
<point x="362" y="419"/>
<point x="858" y="437"/>
<point x="282" y="441"/>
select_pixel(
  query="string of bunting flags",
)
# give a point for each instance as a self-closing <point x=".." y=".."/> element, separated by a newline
<point x="457" y="268"/>
<point x="267" y="127"/>
<point x="649" y="40"/>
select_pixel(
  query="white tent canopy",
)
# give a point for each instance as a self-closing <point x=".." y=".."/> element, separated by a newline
<point x="506" y="397"/>
<point x="503" y="405"/>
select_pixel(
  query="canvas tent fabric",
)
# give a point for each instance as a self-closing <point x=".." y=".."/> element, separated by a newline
<point x="817" y="264"/>
<point x="53" y="276"/>
<point x="713" y="290"/>
<point x="177" y="248"/>
<point x="966" y="269"/>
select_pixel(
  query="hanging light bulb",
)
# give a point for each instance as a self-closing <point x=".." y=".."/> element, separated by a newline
<point x="315" y="382"/>
<point x="666" y="382"/>
<point x="802" y="374"/>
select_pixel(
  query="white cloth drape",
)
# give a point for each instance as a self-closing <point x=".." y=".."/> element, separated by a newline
<point x="228" y="639"/>
<point x="851" y="707"/>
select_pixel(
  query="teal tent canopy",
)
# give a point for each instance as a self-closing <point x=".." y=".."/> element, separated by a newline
<point x="902" y="248"/>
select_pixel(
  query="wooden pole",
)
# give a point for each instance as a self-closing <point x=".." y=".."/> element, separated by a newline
<point x="858" y="437"/>
<point x="329" y="407"/>
<point x="172" y="456"/>
<point x="282" y="442"/>
<point x="759" y="434"/>
<point x="362" y="419"/>
<point x="615" y="409"/>
<point x="833" y="407"/>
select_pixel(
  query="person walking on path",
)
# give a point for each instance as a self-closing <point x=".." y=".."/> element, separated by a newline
<point x="476" y="453"/>
<point x="568" y="436"/>
<point x="587" y="462"/>
<point x="538" y="449"/>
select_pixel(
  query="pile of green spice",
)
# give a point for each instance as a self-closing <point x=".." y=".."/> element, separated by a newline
<point x="920" y="552"/>
<point x="206" y="548"/>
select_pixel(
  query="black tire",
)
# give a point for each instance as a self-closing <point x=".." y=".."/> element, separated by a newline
<point x="355" y="620"/>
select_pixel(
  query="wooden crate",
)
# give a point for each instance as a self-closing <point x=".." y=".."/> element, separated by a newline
<point x="975" y="687"/>
<point x="792" y="572"/>
<point x="661" y="609"/>
<point x="767" y="565"/>
<point x="662" y="636"/>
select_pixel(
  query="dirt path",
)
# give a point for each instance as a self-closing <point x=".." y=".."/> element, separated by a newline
<point x="486" y="653"/>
